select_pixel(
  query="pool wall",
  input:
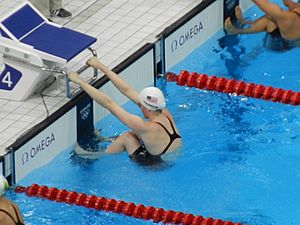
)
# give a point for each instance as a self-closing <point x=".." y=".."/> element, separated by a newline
<point x="185" y="36"/>
<point x="2" y="165"/>
<point x="59" y="131"/>
<point x="46" y="145"/>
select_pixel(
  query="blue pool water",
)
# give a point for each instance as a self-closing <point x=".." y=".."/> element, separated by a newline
<point x="239" y="161"/>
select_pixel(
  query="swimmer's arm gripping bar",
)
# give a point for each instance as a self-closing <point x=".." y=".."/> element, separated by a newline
<point x="81" y="70"/>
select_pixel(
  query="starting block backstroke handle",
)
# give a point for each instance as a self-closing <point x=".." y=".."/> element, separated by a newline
<point x="81" y="70"/>
<point x="69" y="94"/>
<point x="28" y="49"/>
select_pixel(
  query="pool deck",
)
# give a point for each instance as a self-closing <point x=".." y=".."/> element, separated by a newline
<point x="121" y="27"/>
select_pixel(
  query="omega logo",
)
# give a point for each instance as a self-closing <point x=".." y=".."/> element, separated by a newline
<point x="34" y="151"/>
<point x="191" y="33"/>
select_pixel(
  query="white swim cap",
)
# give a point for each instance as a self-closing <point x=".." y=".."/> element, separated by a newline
<point x="3" y="185"/>
<point x="152" y="98"/>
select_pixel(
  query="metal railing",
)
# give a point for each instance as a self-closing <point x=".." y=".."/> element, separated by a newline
<point x="58" y="70"/>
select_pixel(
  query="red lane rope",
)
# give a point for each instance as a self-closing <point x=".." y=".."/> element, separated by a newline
<point x="221" y="84"/>
<point x="116" y="206"/>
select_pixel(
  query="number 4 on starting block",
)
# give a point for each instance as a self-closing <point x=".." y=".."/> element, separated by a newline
<point x="9" y="78"/>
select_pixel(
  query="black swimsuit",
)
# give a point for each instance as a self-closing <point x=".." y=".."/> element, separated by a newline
<point x="275" y="33"/>
<point x="172" y="136"/>
<point x="274" y="40"/>
<point x="141" y="155"/>
<point x="18" y="218"/>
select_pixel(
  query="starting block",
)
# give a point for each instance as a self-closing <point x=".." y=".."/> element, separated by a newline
<point x="33" y="48"/>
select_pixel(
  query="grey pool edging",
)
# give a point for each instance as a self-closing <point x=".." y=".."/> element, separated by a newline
<point x="180" y="22"/>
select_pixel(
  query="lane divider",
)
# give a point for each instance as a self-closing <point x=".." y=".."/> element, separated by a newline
<point x="117" y="206"/>
<point x="221" y="84"/>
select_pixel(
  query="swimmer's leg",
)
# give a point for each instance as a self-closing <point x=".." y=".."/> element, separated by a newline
<point x="127" y="141"/>
<point x="262" y="24"/>
<point x="230" y="28"/>
<point x="239" y="16"/>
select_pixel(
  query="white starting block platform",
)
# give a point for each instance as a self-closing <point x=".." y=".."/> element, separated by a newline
<point x="32" y="49"/>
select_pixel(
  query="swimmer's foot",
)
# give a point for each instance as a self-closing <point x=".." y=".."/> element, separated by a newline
<point x="98" y="137"/>
<point x="108" y="139"/>
<point x="86" y="154"/>
<point x="239" y="16"/>
<point x="229" y="27"/>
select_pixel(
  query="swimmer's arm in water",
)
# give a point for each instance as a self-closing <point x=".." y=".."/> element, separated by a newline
<point x="122" y="86"/>
<point x="134" y="122"/>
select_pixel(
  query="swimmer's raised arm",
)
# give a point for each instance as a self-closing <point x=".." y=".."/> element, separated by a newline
<point x="132" y="121"/>
<point x="122" y="86"/>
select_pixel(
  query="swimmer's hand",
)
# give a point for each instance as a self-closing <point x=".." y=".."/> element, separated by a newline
<point x="96" y="64"/>
<point x="74" y="77"/>
<point x="93" y="62"/>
